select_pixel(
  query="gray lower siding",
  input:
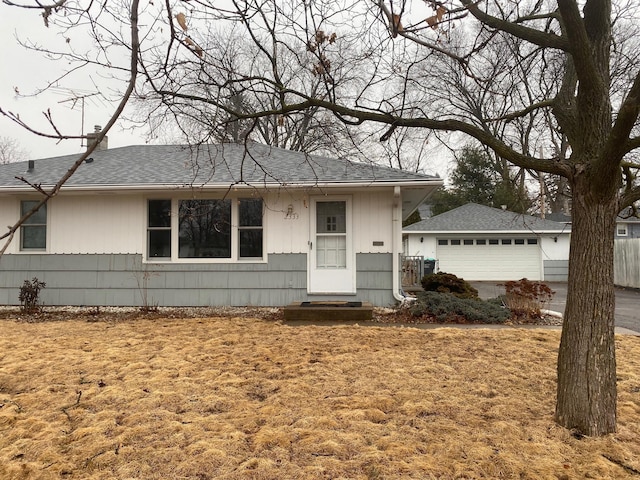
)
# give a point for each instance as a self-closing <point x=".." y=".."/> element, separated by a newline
<point x="123" y="280"/>
<point x="556" y="270"/>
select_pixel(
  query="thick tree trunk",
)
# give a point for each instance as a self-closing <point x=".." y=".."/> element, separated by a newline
<point x="586" y="395"/>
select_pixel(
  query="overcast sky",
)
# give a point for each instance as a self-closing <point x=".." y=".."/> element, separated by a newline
<point x="24" y="72"/>
<point x="28" y="71"/>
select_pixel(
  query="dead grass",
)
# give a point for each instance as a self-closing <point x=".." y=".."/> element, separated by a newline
<point x="251" y="399"/>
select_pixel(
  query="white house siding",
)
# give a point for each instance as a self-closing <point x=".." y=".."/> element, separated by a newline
<point x="110" y="224"/>
<point x="421" y="245"/>
<point x="96" y="243"/>
<point x="286" y="233"/>
<point x="372" y="217"/>
<point x="555" y="257"/>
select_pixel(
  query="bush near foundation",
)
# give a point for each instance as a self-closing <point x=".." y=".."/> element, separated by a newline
<point x="445" y="307"/>
<point x="443" y="282"/>
<point x="30" y="295"/>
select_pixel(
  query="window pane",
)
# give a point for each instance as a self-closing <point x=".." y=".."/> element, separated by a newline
<point x="331" y="252"/>
<point x="159" y="213"/>
<point x="33" y="233"/>
<point x="205" y="229"/>
<point x="532" y="241"/>
<point x="443" y="242"/>
<point x="331" y="217"/>
<point x="34" y="237"/>
<point x="506" y="241"/>
<point x="455" y="242"/>
<point x="481" y="241"/>
<point x="159" y="244"/>
<point x="251" y="243"/>
<point x="493" y="241"/>
<point x="38" y="218"/>
<point x="250" y="214"/>
<point x="468" y="242"/>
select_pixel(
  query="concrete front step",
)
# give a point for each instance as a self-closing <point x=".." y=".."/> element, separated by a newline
<point x="329" y="311"/>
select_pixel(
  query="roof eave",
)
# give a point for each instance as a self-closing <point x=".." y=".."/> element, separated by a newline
<point x="487" y="232"/>
<point x="216" y="186"/>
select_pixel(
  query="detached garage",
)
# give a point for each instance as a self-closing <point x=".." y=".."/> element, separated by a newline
<point x="483" y="243"/>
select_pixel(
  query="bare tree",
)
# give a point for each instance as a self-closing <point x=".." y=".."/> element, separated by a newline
<point x="402" y="64"/>
<point x="73" y="16"/>
<point x="10" y="151"/>
<point x="423" y="73"/>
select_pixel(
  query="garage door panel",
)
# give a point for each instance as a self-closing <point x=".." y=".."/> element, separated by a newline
<point x="490" y="262"/>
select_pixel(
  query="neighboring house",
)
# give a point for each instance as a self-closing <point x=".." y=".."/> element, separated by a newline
<point x="483" y="243"/>
<point x="627" y="225"/>
<point x="209" y="225"/>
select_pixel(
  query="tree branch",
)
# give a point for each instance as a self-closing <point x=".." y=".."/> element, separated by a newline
<point x="135" y="49"/>
<point x="542" y="39"/>
<point x="618" y="140"/>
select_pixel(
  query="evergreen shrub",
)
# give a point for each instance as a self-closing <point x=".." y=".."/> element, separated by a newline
<point x="445" y="307"/>
<point x="448" y="283"/>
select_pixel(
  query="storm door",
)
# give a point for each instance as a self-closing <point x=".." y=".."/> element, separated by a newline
<point x="331" y="258"/>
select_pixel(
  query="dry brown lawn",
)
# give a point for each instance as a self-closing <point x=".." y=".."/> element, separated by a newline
<point x="230" y="398"/>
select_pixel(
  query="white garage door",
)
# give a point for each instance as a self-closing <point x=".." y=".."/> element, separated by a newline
<point x="490" y="258"/>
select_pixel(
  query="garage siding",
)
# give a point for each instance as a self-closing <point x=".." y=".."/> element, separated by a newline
<point x="490" y="258"/>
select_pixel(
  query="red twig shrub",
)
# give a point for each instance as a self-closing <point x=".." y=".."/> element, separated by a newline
<point x="526" y="298"/>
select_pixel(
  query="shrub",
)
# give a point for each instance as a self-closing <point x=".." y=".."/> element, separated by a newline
<point x="525" y="298"/>
<point x="30" y="295"/>
<point x="448" y="283"/>
<point x="445" y="307"/>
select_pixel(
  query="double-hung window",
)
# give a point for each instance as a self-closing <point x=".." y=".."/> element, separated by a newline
<point x="33" y="232"/>
<point x="159" y="229"/>
<point x="205" y="229"/>
<point x="250" y="228"/>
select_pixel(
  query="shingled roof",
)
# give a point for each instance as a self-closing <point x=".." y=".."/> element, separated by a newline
<point x="479" y="218"/>
<point x="146" y="166"/>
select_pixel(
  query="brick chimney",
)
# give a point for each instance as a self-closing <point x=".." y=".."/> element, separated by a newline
<point x="91" y="138"/>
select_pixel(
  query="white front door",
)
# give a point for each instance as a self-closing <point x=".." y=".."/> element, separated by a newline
<point x="331" y="257"/>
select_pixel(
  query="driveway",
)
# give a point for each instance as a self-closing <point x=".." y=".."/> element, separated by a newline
<point x="627" y="301"/>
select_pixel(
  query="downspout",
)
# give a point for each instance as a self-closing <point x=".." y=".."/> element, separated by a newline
<point x="396" y="242"/>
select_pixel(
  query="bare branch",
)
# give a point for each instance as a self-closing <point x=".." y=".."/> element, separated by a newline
<point x="135" y="49"/>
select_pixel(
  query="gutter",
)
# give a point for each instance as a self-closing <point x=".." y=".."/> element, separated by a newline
<point x="396" y="243"/>
<point x="196" y="186"/>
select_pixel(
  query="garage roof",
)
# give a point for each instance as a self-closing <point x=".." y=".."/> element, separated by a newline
<point x="480" y="218"/>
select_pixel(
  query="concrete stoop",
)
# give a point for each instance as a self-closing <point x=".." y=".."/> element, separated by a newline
<point x="329" y="310"/>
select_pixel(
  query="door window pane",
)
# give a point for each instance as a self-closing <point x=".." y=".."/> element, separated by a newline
<point x="331" y="251"/>
<point x="331" y="217"/>
<point x="204" y="229"/>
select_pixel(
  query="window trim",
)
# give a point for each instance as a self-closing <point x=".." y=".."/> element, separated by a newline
<point x="175" y="233"/>
<point x="47" y="223"/>
<point x="626" y="230"/>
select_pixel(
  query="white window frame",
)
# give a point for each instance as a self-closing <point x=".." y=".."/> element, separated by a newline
<point x="625" y="231"/>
